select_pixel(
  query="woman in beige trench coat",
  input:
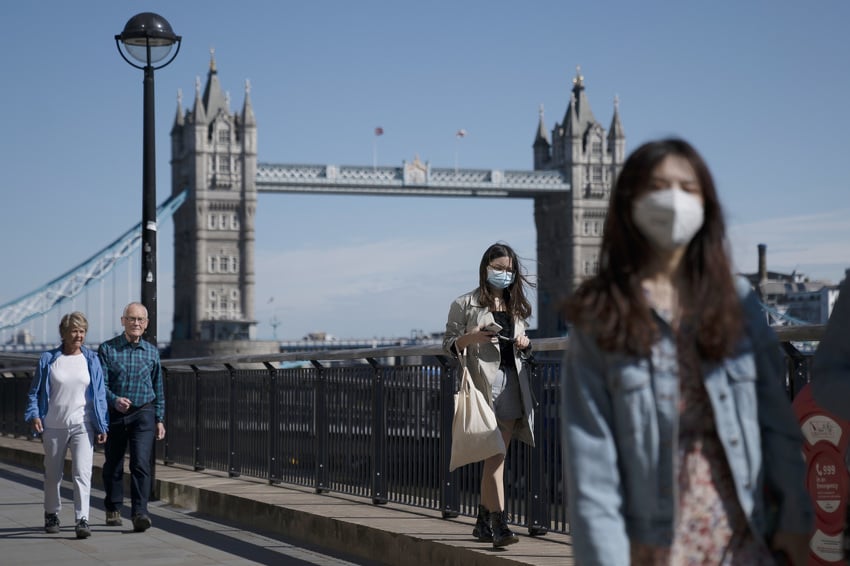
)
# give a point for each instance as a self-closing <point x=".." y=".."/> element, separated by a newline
<point x="494" y="356"/>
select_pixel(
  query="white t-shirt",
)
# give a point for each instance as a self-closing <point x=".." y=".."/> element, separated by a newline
<point x="69" y="379"/>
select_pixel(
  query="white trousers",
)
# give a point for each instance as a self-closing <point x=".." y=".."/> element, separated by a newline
<point x="57" y="441"/>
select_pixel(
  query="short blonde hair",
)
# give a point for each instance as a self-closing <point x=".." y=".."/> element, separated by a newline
<point x="71" y="321"/>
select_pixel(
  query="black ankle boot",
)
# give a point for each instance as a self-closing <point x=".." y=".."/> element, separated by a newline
<point x="502" y="535"/>
<point x="482" y="530"/>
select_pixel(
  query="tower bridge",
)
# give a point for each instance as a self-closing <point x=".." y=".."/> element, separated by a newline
<point x="214" y="169"/>
<point x="214" y="153"/>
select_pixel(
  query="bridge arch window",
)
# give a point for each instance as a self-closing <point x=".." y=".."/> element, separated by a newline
<point x="596" y="149"/>
<point x="224" y="135"/>
<point x="234" y="222"/>
<point x="211" y="222"/>
<point x="234" y="264"/>
<point x="596" y="173"/>
<point x="224" y="164"/>
<point x="225" y="264"/>
<point x="213" y="264"/>
<point x="591" y="265"/>
<point x="222" y="221"/>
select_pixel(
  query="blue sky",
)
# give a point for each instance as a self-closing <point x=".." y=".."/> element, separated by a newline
<point x="760" y="87"/>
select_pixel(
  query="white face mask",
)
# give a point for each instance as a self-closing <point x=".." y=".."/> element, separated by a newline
<point x="669" y="218"/>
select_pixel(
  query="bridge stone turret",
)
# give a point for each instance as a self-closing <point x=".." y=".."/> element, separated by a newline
<point x="569" y="224"/>
<point x="214" y="156"/>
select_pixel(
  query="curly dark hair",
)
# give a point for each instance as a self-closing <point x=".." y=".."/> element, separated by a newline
<point x="516" y="302"/>
<point x="612" y="306"/>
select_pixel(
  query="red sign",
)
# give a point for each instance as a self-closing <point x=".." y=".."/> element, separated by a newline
<point x="827" y="478"/>
<point x="827" y="482"/>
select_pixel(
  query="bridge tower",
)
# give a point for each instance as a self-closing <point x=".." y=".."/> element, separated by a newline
<point x="569" y="225"/>
<point x="214" y="156"/>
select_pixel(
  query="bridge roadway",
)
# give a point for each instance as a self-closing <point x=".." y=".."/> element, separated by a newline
<point x="208" y="518"/>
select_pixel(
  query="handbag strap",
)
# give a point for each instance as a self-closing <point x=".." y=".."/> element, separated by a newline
<point x="465" y="377"/>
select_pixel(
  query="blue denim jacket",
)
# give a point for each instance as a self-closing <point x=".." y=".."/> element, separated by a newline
<point x="38" y="398"/>
<point x="620" y="430"/>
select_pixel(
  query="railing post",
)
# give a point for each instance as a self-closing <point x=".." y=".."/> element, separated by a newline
<point x="234" y="469"/>
<point x="379" y="435"/>
<point x="449" y="492"/>
<point x="196" y="434"/>
<point x="797" y="370"/>
<point x="321" y="419"/>
<point x="536" y="503"/>
<point x="274" y="425"/>
<point x="165" y="459"/>
<point x="8" y="404"/>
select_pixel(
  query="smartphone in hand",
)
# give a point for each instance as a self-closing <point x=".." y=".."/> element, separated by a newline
<point x="493" y="327"/>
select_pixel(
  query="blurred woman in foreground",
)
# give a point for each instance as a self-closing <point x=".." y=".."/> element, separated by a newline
<point x="680" y="443"/>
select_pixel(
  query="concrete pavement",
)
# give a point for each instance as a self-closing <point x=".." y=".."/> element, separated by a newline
<point x="210" y="518"/>
<point x="176" y="538"/>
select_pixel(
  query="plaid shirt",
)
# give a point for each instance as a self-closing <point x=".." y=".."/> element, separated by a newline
<point x="133" y="371"/>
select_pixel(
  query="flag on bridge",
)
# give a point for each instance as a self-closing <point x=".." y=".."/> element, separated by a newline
<point x="461" y="133"/>
<point x="379" y="131"/>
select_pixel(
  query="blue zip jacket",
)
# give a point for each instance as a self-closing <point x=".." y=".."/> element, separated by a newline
<point x="620" y="428"/>
<point x="39" y="394"/>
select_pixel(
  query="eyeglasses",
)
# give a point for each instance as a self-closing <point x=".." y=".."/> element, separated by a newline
<point x="133" y="319"/>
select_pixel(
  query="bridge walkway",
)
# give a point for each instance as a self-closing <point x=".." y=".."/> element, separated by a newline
<point x="210" y="518"/>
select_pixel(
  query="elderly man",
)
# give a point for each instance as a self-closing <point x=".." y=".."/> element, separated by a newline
<point x="135" y="395"/>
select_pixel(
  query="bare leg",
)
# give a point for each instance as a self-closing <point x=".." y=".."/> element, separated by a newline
<point x="493" y="476"/>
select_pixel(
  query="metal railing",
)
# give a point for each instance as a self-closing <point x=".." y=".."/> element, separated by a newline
<point x="374" y="423"/>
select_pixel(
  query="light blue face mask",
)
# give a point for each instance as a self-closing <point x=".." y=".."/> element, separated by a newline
<point x="499" y="279"/>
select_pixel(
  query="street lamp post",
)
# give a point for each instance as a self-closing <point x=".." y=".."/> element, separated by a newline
<point x="149" y="39"/>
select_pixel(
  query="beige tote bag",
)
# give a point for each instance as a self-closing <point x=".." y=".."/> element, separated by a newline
<point x="475" y="433"/>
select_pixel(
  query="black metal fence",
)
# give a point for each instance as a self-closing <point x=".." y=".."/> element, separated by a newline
<point x="372" y="429"/>
<point x="374" y="423"/>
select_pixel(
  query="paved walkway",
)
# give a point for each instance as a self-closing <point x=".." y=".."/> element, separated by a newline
<point x="209" y="518"/>
<point x="177" y="538"/>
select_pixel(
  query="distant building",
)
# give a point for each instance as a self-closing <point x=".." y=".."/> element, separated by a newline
<point x="792" y="298"/>
<point x="22" y="337"/>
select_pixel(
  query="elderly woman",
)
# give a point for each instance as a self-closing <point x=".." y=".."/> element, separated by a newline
<point x="67" y="406"/>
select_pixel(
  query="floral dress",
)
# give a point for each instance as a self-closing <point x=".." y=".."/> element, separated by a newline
<point x="711" y="528"/>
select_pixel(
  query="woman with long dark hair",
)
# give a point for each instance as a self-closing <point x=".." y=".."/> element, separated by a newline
<point x="679" y="440"/>
<point x="494" y="356"/>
